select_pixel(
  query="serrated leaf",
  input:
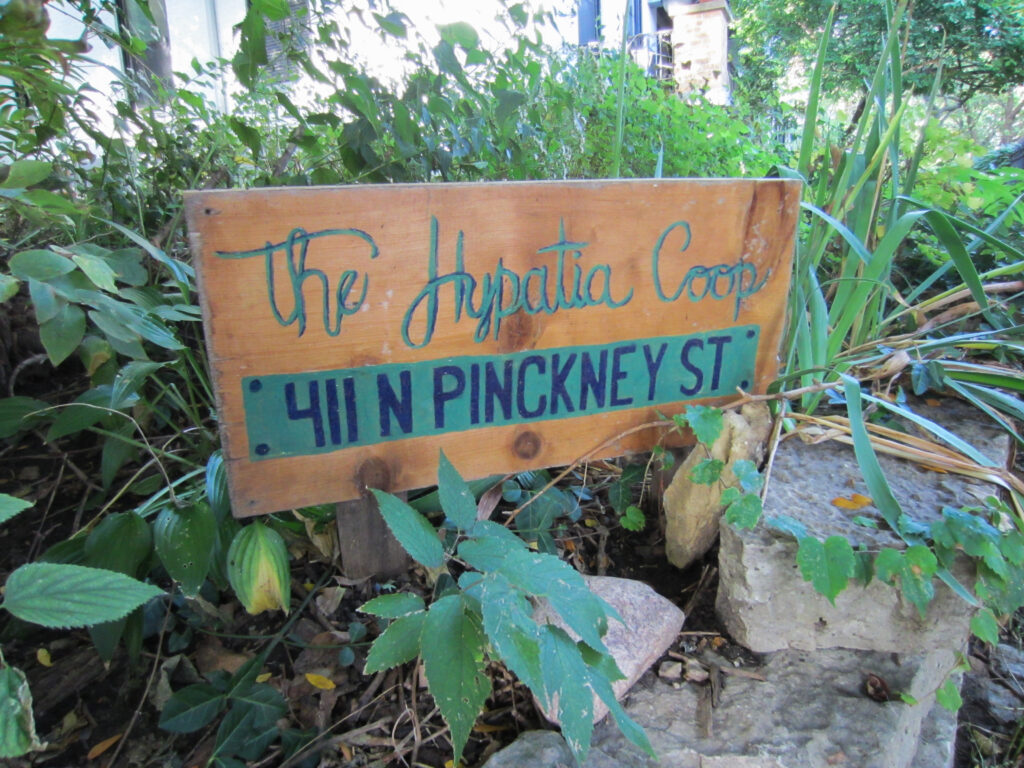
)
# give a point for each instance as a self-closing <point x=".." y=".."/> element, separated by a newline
<point x="62" y="333"/>
<point x="488" y="529"/>
<point x="483" y="554"/>
<point x="453" y="662"/>
<point x="11" y="506"/>
<point x="191" y="708"/>
<point x="184" y="540"/>
<point x="599" y="681"/>
<point x="58" y="595"/>
<point x="985" y="627"/>
<point x="744" y="512"/>
<point x="707" y="472"/>
<point x="706" y="423"/>
<point x="564" y="672"/>
<point x="17" y="725"/>
<point x="397" y="644"/>
<point x="828" y="565"/>
<point x="948" y="696"/>
<point x="412" y="530"/>
<point x="546" y="576"/>
<point x="514" y="635"/>
<point x="393" y="606"/>
<point x="456" y="499"/>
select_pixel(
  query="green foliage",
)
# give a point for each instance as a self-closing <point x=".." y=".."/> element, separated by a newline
<point x="11" y="506"/>
<point x="185" y="540"/>
<point x="258" y="569"/>
<point x="490" y="615"/>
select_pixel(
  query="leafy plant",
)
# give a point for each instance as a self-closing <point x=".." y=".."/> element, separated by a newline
<point x="489" y="585"/>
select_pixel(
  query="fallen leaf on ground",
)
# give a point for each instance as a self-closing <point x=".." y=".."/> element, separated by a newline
<point x="103" y="746"/>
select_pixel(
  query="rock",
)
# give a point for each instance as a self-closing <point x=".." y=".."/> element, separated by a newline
<point x="762" y="598"/>
<point x="994" y="696"/>
<point x="534" y="749"/>
<point x="651" y="625"/>
<point x="692" y="511"/>
<point x="671" y="670"/>
<point x="810" y="712"/>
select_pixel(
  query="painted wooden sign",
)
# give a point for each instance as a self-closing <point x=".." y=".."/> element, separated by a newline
<point x="354" y="332"/>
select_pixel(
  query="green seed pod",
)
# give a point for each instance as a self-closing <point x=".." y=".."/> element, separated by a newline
<point x="258" y="569"/>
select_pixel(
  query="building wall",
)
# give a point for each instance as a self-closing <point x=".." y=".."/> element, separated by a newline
<point x="700" y="47"/>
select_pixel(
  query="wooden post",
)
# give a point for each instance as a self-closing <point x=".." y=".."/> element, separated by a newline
<point x="367" y="547"/>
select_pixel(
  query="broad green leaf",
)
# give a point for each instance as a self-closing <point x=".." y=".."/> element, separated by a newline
<point x="90" y="407"/>
<point x="599" y="681"/>
<point x="39" y="265"/>
<point x="97" y="270"/>
<point x="413" y="531"/>
<point x="121" y="542"/>
<point x="217" y="485"/>
<point x="985" y="627"/>
<point x="392" y="23"/>
<point x="948" y="696"/>
<point x="707" y="472"/>
<point x="25" y="173"/>
<point x="460" y="33"/>
<point x="746" y="473"/>
<point x="17" y="725"/>
<point x="454" y="665"/>
<point x="11" y="505"/>
<point x="62" y="333"/>
<point x="745" y="511"/>
<point x="59" y="596"/>
<point x="483" y="554"/>
<point x="45" y="301"/>
<point x="397" y="644"/>
<point x="456" y="498"/>
<point x="705" y="422"/>
<point x="393" y="606"/>
<point x="634" y="519"/>
<point x="565" y="678"/>
<point x="184" y="540"/>
<point x="546" y="576"/>
<point x="258" y="569"/>
<point x="263" y="704"/>
<point x="488" y="529"/>
<point x="514" y="635"/>
<point x="828" y="565"/>
<point x="8" y="287"/>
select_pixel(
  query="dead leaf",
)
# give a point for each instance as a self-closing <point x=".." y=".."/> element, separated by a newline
<point x="43" y="657"/>
<point x="320" y="681"/>
<point x="876" y="688"/>
<point x="855" y="501"/>
<point x="103" y="746"/>
<point x="211" y="656"/>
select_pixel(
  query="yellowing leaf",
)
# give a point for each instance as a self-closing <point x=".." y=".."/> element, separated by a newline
<point x="856" y="501"/>
<point x="43" y="657"/>
<point x="319" y="681"/>
<point x="262" y="678"/>
<point x="102" y="747"/>
<point x="932" y="402"/>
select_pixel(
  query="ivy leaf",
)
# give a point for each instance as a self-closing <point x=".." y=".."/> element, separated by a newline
<point x="456" y="499"/>
<point x="705" y="422"/>
<point x="58" y="595"/>
<point x="707" y="472"/>
<point x="985" y="627"/>
<point x="749" y="478"/>
<point x="914" y="568"/>
<point x="634" y="519"/>
<point x="948" y="696"/>
<point x="393" y="606"/>
<point x="828" y="565"/>
<point x="744" y="512"/>
<point x="453" y="662"/>
<point x="730" y="495"/>
<point x="397" y="644"/>
<point x="413" y="531"/>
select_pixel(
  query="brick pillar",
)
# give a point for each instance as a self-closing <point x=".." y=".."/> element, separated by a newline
<point x="700" y="47"/>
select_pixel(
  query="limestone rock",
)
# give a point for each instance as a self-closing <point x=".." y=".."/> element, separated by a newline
<point x="762" y="598"/>
<point x="811" y="711"/>
<point x="692" y="511"/>
<point x="534" y="749"/>
<point x="652" y="624"/>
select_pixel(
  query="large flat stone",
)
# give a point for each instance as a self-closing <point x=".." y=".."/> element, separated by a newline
<point x="762" y="598"/>
<point x="810" y="712"/>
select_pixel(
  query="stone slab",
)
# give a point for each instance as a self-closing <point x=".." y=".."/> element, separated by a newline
<point x="762" y="598"/>
<point x="650" y="624"/>
<point x="810" y="712"/>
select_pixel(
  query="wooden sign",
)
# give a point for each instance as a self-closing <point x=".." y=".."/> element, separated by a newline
<point x="354" y="332"/>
